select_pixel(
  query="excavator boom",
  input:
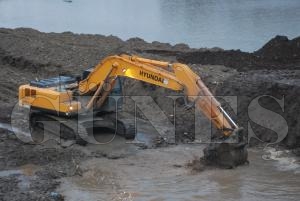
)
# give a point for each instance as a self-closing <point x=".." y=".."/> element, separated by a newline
<point x="176" y="76"/>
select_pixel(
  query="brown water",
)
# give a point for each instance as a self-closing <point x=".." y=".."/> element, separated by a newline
<point x="154" y="175"/>
<point x="161" y="175"/>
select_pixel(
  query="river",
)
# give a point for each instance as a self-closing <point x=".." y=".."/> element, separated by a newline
<point x="119" y="171"/>
<point x="161" y="175"/>
<point x="230" y="24"/>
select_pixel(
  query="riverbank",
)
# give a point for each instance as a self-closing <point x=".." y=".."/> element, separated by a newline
<point x="26" y="54"/>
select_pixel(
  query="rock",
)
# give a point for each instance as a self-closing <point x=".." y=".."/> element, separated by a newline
<point x="56" y="196"/>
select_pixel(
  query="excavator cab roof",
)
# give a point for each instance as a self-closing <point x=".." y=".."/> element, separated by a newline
<point x="52" y="82"/>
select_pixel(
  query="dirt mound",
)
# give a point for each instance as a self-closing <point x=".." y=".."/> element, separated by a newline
<point x="281" y="49"/>
<point x="278" y="53"/>
<point x="231" y="58"/>
<point x="270" y="87"/>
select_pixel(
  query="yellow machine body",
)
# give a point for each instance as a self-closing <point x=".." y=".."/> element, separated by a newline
<point x="48" y="99"/>
<point x="174" y="76"/>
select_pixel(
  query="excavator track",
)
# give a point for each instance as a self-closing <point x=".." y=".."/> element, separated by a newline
<point x="126" y="128"/>
<point x="125" y="124"/>
<point x="78" y="128"/>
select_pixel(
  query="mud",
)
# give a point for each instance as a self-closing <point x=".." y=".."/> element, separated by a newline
<point x="26" y="54"/>
<point x="270" y="86"/>
<point x="30" y="172"/>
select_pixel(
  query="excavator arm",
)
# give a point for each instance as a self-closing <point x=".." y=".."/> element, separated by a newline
<point x="175" y="76"/>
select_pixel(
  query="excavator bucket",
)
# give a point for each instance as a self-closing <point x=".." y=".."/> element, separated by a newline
<point x="231" y="153"/>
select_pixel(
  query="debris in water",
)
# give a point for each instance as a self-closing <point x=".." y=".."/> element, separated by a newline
<point x="56" y="196"/>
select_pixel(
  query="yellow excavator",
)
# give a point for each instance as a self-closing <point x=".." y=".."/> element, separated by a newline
<point x="64" y="98"/>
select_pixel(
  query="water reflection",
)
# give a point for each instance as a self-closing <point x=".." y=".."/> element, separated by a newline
<point x="228" y="24"/>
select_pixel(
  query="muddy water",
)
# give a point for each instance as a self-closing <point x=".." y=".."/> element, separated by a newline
<point x="161" y="175"/>
<point x="245" y="25"/>
<point x="156" y="175"/>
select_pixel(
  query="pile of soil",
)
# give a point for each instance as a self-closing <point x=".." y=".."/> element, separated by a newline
<point x="277" y="92"/>
<point x="278" y="53"/>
